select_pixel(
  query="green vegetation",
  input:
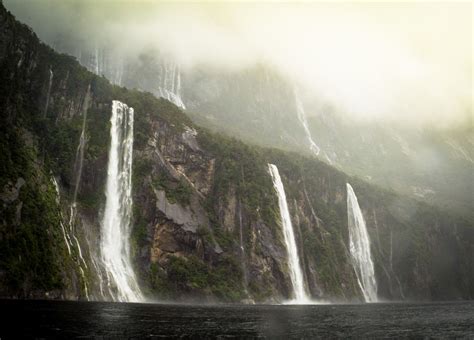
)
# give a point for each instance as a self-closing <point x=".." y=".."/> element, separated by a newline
<point x="176" y="191"/>
<point x="195" y="278"/>
<point x="30" y="236"/>
<point x="243" y="167"/>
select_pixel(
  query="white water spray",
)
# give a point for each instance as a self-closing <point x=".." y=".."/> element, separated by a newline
<point x="296" y="274"/>
<point x="360" y="248"/>
<point x="115" y="227"/>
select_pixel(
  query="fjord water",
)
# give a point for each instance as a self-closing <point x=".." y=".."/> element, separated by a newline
<point x="66" y="319"/>
<point x="115" y="227"/>
<point x="359" y="246"/>
<point x="296" y="273"/>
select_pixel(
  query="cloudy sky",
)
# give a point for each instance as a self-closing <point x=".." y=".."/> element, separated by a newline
<point x="404" y="61"/>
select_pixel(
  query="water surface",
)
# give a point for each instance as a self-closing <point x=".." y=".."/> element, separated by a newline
<point x="52" y="319"/>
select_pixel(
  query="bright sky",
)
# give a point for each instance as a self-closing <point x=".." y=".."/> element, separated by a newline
<point x="400" y="60"/>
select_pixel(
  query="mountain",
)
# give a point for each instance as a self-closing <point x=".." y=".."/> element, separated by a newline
<point x="205" y="221"/>
<point x="259" y="105"/>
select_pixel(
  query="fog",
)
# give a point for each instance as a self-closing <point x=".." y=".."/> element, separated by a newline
<point x="410" y="63"/>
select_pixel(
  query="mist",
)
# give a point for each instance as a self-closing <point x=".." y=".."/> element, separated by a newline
<point x="401" y="62"/>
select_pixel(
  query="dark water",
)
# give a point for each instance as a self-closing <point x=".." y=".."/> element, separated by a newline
<point x="51" y="319"/>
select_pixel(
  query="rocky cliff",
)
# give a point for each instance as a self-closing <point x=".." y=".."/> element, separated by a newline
<point x="206" y="224"/>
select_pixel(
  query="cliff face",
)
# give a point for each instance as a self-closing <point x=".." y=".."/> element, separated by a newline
<point x="260" y="106"/>
<point x="206" y="223"/>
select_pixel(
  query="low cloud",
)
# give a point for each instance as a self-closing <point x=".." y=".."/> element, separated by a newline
<point x="410" y="63"/>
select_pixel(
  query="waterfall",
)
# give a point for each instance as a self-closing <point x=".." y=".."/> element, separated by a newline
<point x="360" y="248"/>
<point x="296" y="273"/>
<point x="79" y="160"/>
<point x="115" y="226"/>
<point x="117" y="73"/>
<point x="169" y="84"/>
<point x="96" y="61"/>
<point x="302" y="118"/>
<point x="178" y="85"/>
<point x="242" y="248"/>
<point x="48" y="94"/>
<point x="68" y="240"/>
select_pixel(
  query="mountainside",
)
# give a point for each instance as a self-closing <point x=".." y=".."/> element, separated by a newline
<point x="206" y="222"/>
<point x="259" y="105"/>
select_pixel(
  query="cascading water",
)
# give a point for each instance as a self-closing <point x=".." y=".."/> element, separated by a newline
<point x="102" y="62"/>
<point x="81" y="263"/>
<point x="115" y="227"/>
<point x="302" y="118"/>
<point x="97" y="61"/>
<point x="359" y="244"/>
<point x="296" y="274"/>
<point x="48" y="94"/>
<point x="169" y="84"/>
<point x="79" y="160"/>
<point x="117" y="73"/>
<point x="67" y="239"/>
<point x="315" y="149"/>
<point x="166" y="82"/>
<point x="242" y="248"/>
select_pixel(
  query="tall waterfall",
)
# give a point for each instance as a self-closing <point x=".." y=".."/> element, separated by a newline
<point x="302" y="118"/>
<point x="359" y="245"/>
<point x="115" y="227"/>
<point x="296" y="273"/>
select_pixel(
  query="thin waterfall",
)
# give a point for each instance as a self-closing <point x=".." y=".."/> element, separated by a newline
<point x="242" y="248"/>
<point x="115" y="227"/>
<point x="169" y="84"/>
<point x="178" y="84"/>
<point x="69" y="244"/>
<point x="359" y="244"/>
<point x="296" y="274"/>
<point x="302" y="118"/>
<point x="67" y="239"/>
<point x="79" y="160"/>
<point x="48" y="94"/>
<point x="96" y="61"/>
<point x="118" y="73"/>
